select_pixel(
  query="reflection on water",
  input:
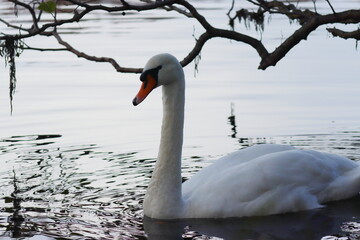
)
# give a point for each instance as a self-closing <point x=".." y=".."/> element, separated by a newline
<point x="306" y="225"/>
<point x="77" y="192"/>
<point x="68" y="191"/>
<point x="232" y="122"/>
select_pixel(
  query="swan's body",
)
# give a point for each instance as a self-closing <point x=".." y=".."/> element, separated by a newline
<point x="259" y="180"/>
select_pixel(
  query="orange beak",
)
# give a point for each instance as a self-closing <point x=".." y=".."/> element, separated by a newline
<point x="146" y="87"/>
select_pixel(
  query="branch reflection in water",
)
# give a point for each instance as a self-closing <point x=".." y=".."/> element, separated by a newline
<point x="232" y="121"/>
<point x="55" y="190"/>
<point x="62" y="191"/>
<point x="16" y="219"/>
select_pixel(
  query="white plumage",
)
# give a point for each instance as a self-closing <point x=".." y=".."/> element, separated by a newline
<point x="259" y="180"/>
<point x="270" y="179"/>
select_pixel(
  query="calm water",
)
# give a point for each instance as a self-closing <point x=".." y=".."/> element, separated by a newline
<point x="76" y="156"/>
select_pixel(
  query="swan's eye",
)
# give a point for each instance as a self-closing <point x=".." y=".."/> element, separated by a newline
<point x="153" y="72"/>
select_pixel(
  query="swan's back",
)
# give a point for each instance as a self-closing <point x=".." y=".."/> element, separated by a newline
<point x="269" y="179"/>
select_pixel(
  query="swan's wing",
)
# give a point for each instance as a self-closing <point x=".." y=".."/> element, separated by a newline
<point x="238" y="158"/>
<point x="271" y="179"/>
<point x="343" y="187"/>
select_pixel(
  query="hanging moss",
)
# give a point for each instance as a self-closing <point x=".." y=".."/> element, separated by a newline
<point x="9" y="49"/>
<point x="255" y="17"/>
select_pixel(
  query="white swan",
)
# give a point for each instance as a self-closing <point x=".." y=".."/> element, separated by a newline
<point x="259" y="180"/>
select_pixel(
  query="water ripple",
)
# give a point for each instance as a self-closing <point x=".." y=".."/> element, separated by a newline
<point x="79" y="191"/>
<point x="68" y="191"/>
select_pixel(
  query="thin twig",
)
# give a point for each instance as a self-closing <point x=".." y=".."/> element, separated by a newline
<point x="331" y="6"/>
<point x="94" y="58"/>
<point x="29" y="8"/>
<point x="77" y="17"/>
<point x="45" y="49"/>
<point x="231" y="8"/>
<point x="170" y="7"/>
<point x="13" y="26"/>
<point x="125" y="6"/>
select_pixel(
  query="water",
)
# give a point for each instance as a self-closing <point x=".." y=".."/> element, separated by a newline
<point x="76" y="156"/>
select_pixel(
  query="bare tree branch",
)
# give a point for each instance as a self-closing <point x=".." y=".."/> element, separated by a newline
<point x="195" y="14"/>
<point x="94" y="58"/>
<point x="171" y="8"/>
<point x="343" y="34"/>
<point x="332" y="8"/>
<point x="79" y="15"/>
<point x="309" y="21"/>
<point x="29" y="8"/>
<point x="196" y="50"/>
<point x="12" y="25"/>
<point x="351" y="16"/>
<point x="45" y="49"/>
<point x="212" y="32"/>
<point x="11" y="45"/>
<point x="125" y="6"/>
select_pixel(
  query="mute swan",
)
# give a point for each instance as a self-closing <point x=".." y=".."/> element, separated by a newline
<point x="259" y="180"/>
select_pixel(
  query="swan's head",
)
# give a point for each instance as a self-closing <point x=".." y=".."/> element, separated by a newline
<point x="161" y="69"/>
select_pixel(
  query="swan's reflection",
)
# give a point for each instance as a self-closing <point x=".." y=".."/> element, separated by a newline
<point x="306" y="225"/>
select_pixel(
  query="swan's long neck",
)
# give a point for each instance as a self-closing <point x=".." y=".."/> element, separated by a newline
<point x="163" y="197"/>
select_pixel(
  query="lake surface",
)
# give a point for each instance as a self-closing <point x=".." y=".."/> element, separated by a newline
<point x="76" y="156"/>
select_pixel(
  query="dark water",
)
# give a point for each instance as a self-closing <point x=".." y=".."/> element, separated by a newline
<point x="76" y="192"/>
<point x="48" y="190"/>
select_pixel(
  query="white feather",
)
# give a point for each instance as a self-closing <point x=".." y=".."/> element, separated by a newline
<point x="259" y="180"/>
